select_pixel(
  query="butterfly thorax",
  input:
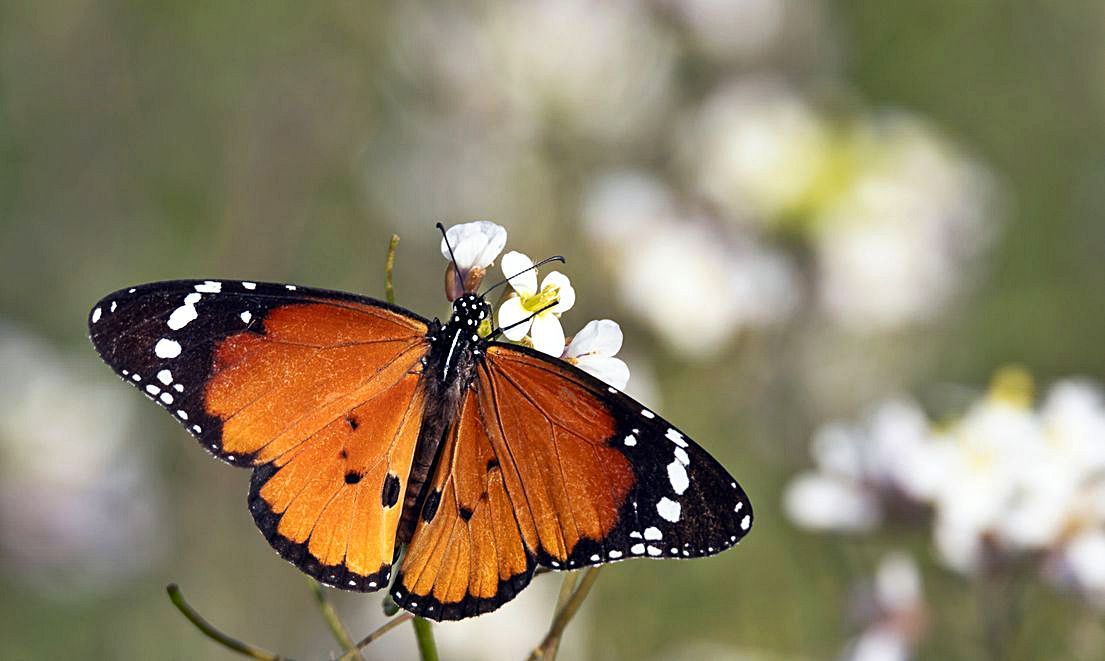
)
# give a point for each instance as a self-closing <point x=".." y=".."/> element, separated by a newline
<point x="448" y="369"/>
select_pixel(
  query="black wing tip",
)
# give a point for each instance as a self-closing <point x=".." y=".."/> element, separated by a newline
<point x="297" y="553"/>
<point x="429" y="607"/>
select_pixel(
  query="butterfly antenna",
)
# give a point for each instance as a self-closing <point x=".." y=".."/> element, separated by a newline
<point x="460" y="277"/>
<point x="554" y="258"/>
<point x="499" y="331"/>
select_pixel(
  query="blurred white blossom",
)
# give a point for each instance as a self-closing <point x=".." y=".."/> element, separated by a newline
<point x="77" y="508"/>
<point x="602" y="69"/>
<point x="895" y="613"/>
<point x="757" y="149"/>
<point x="856" y="466"/>
<point x="731" y="28"/>
<point x="533" y="310"/>
<point x="897" y="243"/>
<point x="695" y="282"/>
<point x="896" y="217"/>
<point x="593" y="350"/>
<point x="1007" y="478"/>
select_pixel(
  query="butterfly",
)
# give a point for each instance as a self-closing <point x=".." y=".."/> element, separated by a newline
<point x="370" y="429"/>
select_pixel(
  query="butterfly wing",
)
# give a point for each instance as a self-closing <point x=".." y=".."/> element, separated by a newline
<point x="547" y="465"/>
<point x="317" y="391"/>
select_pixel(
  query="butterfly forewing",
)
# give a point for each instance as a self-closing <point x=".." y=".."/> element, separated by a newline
<point x="590" y="476"/>
<point x="318" y="390"/>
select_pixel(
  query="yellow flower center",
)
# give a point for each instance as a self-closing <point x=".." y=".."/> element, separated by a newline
<point x="542" y="299"/>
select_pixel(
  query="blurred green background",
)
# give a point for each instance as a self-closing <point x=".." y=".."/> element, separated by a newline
<point x="277" y="141"/>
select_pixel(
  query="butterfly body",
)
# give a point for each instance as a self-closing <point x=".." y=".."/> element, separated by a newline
<point x="369" y="428"/>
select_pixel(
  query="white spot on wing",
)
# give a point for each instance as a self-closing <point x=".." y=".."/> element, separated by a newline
<point x="615" y="554"/>
<point x="179" y="387"/>
<point x="289" y="287"/>
<point x="675" y="437"/>
<point x="653" y="551"/>
<point x="114" y="305"/>
<point x="166" y="348"/>
<point x="167" y="398"/>
<point x="182" y="413"/>
<point x="595" y="558"/>
<point x="677" y="475"/>
<point x="648" y="414"/>
<point x="739" y="506"/>
<point x="635" y="535"/>
<point x="630" y="440"/>
<point x="745" y="522"/>
<point x="152" y="389"/>
<point x="681" y="455"/>
<point x="246" y="316"/>
<point x="653" y="533"/>
<point x="249" y="285"/>
<point x="96" y="315"/>
<point x="186" y="313"/>
<point x="210" y="287"/>
<point x="637" y="549"/>
<point x="668" y="509"/>
<point x="165" y="376"/>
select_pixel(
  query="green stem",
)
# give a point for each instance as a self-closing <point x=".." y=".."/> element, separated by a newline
<point x="386" y="627"/>
<point x="427" y="647"/>
<point x="389" y="286"/>
<point x="214" y="634"/>
<point x="332" y="620"/>
<point x="546" y="651"/>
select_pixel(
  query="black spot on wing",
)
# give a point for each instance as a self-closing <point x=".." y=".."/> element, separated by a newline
<point x="389" y="495"/>
<point x="297" y="553"/>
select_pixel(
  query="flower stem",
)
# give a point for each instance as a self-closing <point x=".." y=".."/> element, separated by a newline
<point x="384" y="628"/>
<point x="214" y="634"/>
<point x="427" y="647"/>
<point x="332" y="620"/>
<point x="566" y="610"/>
<point x="389" y="287"/>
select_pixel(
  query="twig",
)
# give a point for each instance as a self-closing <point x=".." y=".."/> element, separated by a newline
<point x="546" y="651"/>
<point x="332" y="620"/>
<point x="389" y="287"/>
<point x="214" y="634"/>
<point x="384" y="628"/>
<point x="427" y="647"/>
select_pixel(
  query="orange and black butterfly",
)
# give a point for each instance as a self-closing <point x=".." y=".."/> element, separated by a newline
<point x="369" y="427"/>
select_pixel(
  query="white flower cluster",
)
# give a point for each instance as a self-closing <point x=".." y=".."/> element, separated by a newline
<point x="1006" y="478"/>
<point x="530" y="314"/>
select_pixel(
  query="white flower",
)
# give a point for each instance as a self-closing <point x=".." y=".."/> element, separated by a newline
<point x="906" y="229"/>
<point x="896" y="613"/>
<point x="593" y="349"/>
<point x="532" y="310"/>
<point x="819" y="502"/>
<point x="695" y="283"/>
<point x="475" y="247"/>
<point x="857" y="465"/>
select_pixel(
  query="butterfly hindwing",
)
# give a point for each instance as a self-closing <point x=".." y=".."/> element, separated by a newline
<point x="317" y="390"/>
<point x="589" y="476"/>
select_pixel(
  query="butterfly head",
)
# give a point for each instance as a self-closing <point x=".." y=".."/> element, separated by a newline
<point x="470" y="311"/>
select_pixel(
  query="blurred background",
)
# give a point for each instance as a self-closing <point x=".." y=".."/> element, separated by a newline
<point x="857" y="249"/>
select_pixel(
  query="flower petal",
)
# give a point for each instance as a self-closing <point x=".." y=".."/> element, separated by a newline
<point x="567" y="296"/>
<point x="513" y="264"/>
<point x="547" y="334"/>
<point x="600" y="337"/>
<point x="475" y="244"/>
<point x="511" y="312"/>
<point x="613" y="371"/>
